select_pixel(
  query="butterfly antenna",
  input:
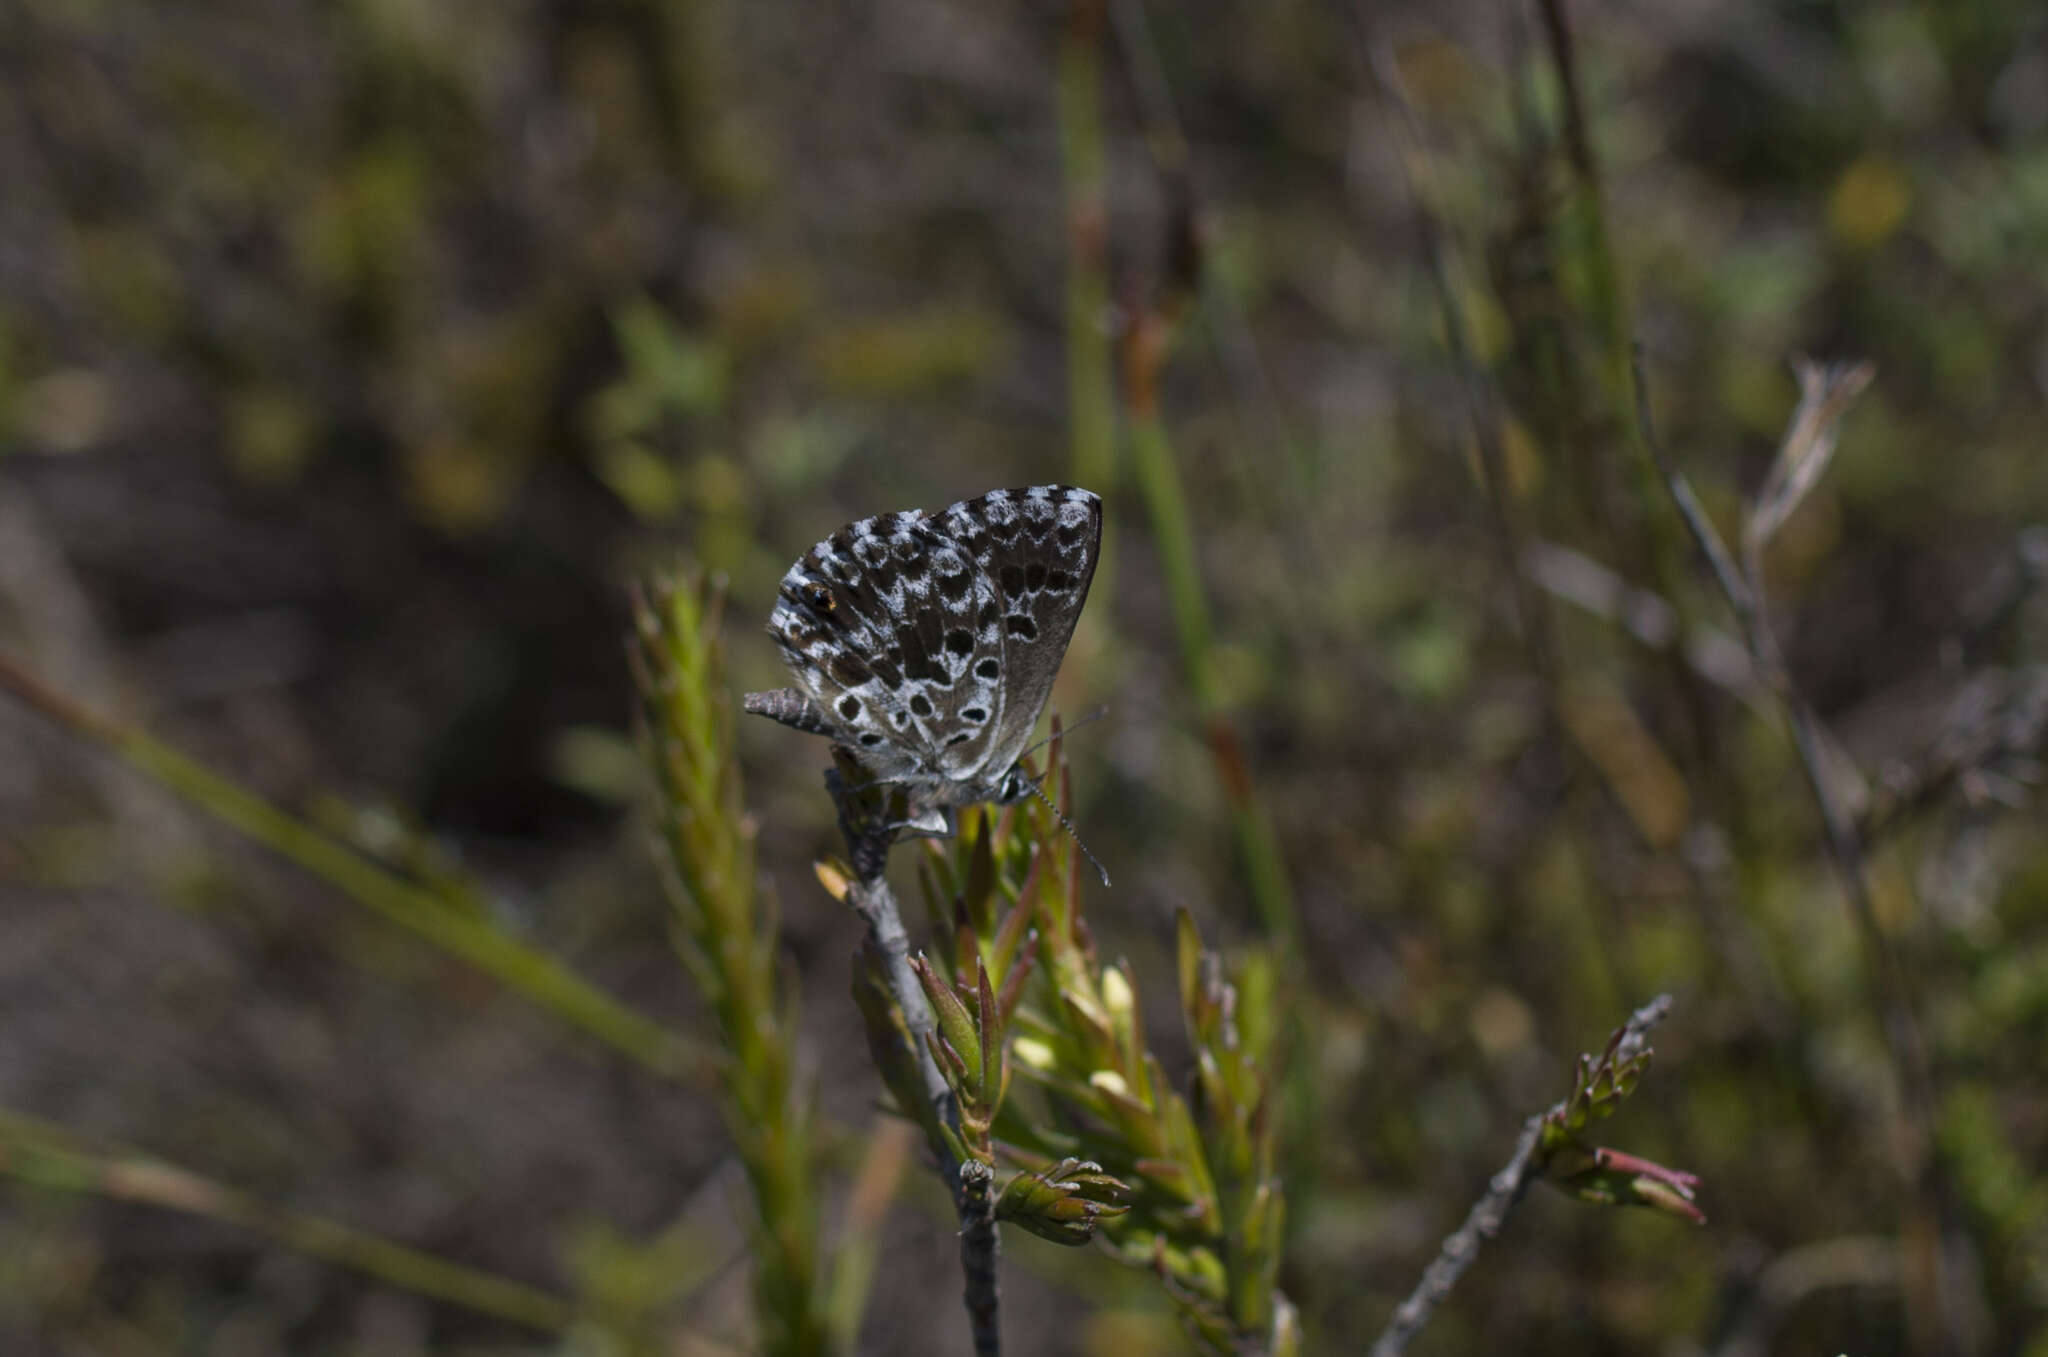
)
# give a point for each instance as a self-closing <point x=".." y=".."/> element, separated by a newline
<point x="1095" y="715"/>
<point x="1068" y="825"/>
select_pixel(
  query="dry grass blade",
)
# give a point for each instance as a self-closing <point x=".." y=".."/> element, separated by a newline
<point x="1826" y="391"/>
<point x="424" y="912"/>
<point x="50" y="1156"/>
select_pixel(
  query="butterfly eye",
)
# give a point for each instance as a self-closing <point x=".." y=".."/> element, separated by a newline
<point x="819" y="597"/>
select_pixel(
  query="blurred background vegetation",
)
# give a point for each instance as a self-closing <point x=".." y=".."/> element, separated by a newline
<point x="353" y="356"/>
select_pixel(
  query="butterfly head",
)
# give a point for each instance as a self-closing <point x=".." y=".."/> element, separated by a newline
<point x="1015" y="785"/>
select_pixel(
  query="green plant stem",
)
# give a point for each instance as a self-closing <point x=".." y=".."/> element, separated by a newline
<point x="1586" y="213"/>
<point x="1158" y="475"/>
<point x="1603" y="278"/>
<point x="1092" y="411"/>
<point x="1663" y="541"/>
<point x="727" y="935"/>
<point x="1482" y="401"/>
<point x="522" y="969"/>
<point x="1091" y="388"/>
<point x="37" y="1152"/>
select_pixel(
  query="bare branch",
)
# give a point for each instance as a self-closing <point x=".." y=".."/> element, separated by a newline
<point x="1483" y="1222"/>
<point x="979" y="1253"/>
<point x="867" y="845"/>
<point x="1809" y="435"/>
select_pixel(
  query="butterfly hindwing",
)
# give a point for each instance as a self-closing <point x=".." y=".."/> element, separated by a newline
<point x="1038" y="546"/>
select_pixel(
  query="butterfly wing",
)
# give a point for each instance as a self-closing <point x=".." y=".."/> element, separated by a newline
<point x="875" y="623"/>
<point x="1036" y="548"/>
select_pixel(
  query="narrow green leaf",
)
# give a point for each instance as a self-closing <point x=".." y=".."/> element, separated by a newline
<point x="990" y="1024"/>
<point x="955" y="1023"/>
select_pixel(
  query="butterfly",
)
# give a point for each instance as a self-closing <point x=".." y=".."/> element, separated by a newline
<point x="926" y="645"/>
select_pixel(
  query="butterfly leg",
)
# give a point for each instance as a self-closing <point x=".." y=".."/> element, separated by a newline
<point x="927" y="822"/>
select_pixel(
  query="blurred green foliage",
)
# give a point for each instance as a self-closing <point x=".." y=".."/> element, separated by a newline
<point x="352" y="356"/>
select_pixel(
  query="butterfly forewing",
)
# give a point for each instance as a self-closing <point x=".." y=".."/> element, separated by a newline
<point x="931" y="644"/>
<point x="836" y="625"/>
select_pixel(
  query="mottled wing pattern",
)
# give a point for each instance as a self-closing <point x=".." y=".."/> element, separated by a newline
<point x="1038" y="546"/>
<point x="930" y="644"/>
<point x="863" y="621"/>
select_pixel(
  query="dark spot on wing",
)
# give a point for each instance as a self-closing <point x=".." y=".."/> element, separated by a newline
<point x="849" y="706"/>
<point x="960" y="641"/>
<point x="1019" y="625"/>
<point x="847" y="670"/>
<point x="917" y="661"/>
<point x="989" y="669"/>
<point x="921" y="704"/>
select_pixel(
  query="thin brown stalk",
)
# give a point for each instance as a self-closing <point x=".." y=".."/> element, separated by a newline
<point x="1741" y="588"/>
